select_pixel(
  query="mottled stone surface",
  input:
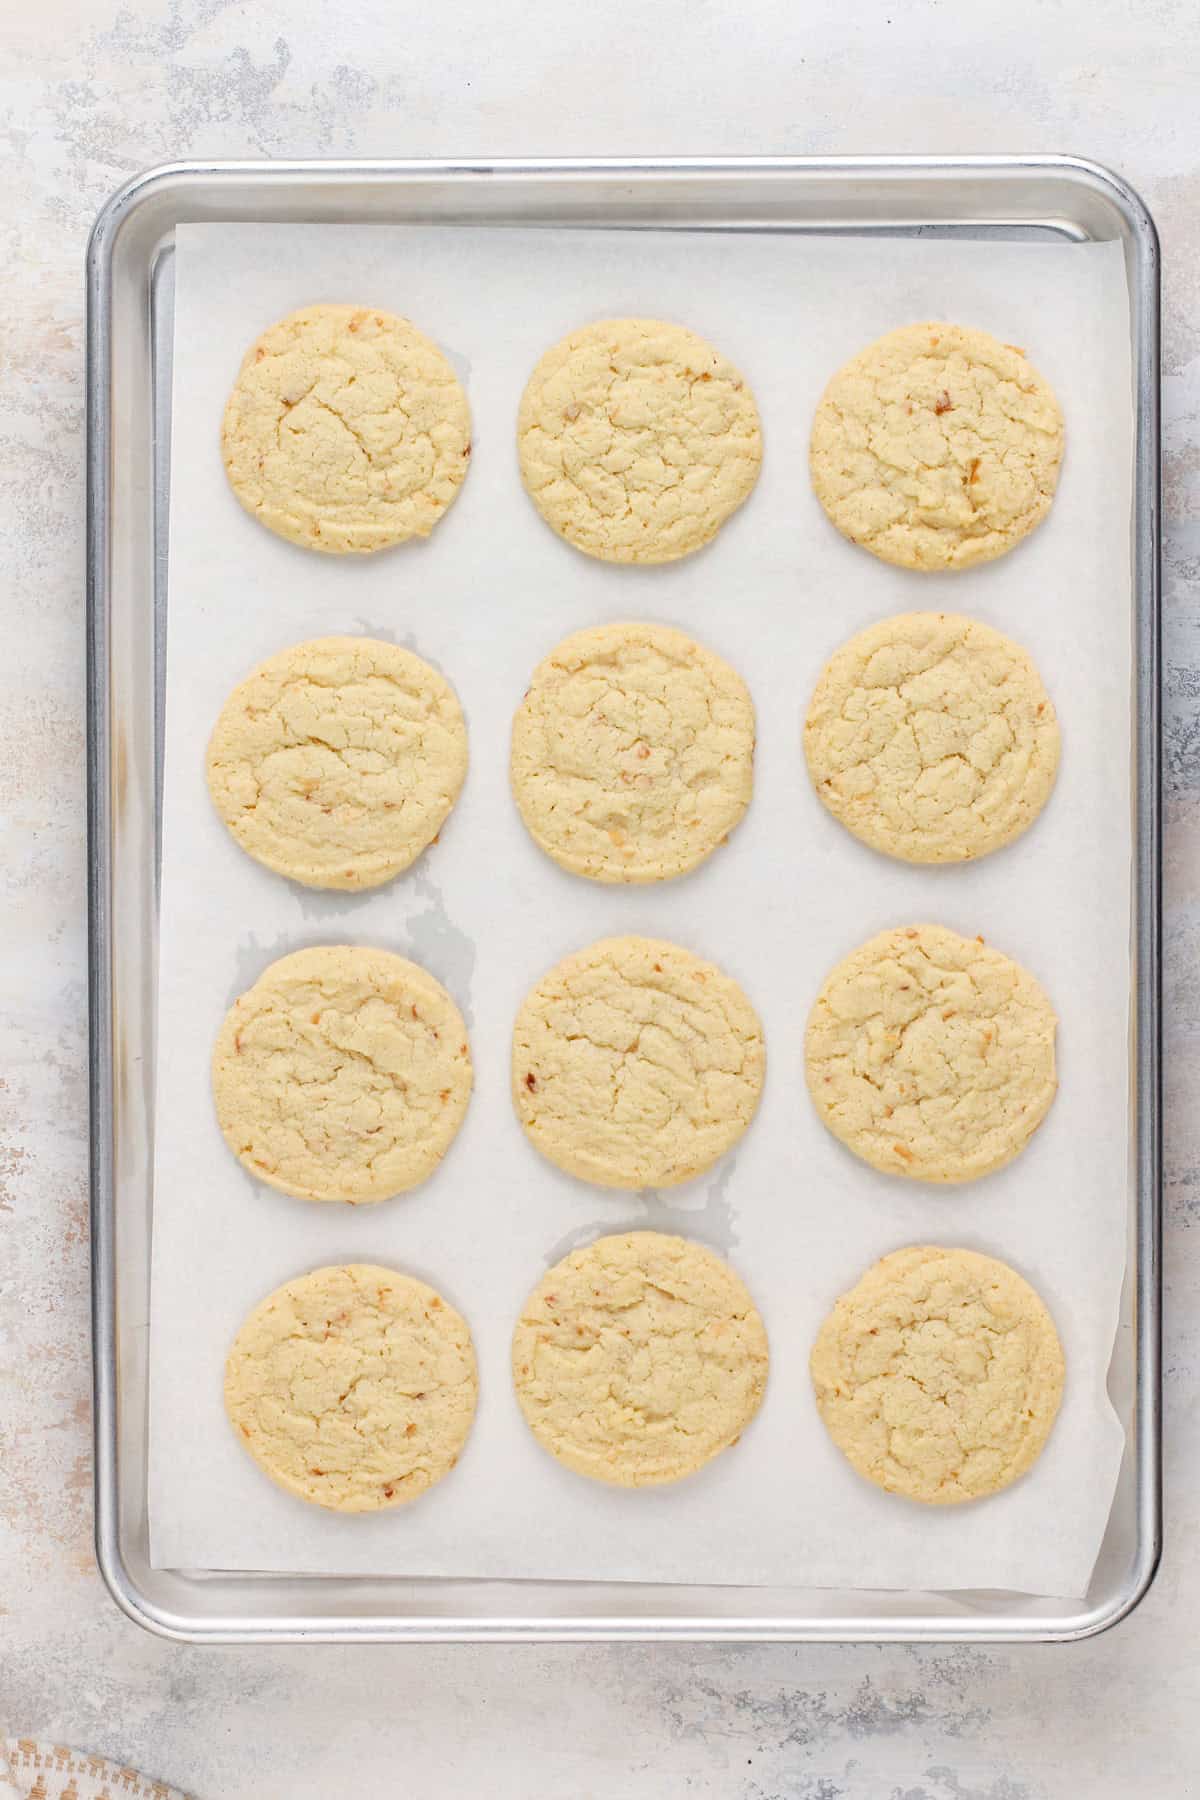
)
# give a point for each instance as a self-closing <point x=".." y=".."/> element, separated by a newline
<point x="90" y="92"/>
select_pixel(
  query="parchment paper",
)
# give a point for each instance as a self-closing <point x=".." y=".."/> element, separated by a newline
<point x="488" y="595"/>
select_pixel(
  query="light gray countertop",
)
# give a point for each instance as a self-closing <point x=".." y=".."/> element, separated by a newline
<point x="89" y="93"/>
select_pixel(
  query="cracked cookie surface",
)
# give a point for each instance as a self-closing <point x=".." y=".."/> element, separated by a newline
<point x="931" y="738"/>
<point x="931" y="1055"/>
<point x="632" y="753"/>
<point x="342" y="1074"/>
<point x="639" y="1358"/>
<point x="637" y="440"/>
<point x="937" y="447"/>
<point x="347" y="430"/>
<point x="636" y="1064"/>
<point x="337" y="761"/>
<point x="939" y="1375"/>
<point x="353" y="1387"/>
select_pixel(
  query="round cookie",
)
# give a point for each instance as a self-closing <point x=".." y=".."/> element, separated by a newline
<point x="347" y="430"/>
<point x="353" y="1387"/>
<point x="632" y="753"/>
<point x="931" y="738"/>
<point x="336" y="762"/>
<point x="637" y="440"/>
<point x="638" y="1359"/>
<point x="939" y="1375"/>
<point x="342" y="1074"/>
<point x="937" y="447"/>
<point x="636" y="1064"/>
<point x="930" y="1055"/>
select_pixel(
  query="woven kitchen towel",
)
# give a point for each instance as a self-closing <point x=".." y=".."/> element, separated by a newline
<point x="33" y="1771"/>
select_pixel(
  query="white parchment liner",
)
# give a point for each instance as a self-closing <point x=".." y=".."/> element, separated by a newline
<point x="484" y="600"/>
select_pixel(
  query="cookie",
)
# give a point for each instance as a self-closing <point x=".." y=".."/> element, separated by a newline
<point x="939" y="1375"/>
<point x="342" y="1074"/>
<point x="353" y="1387"/>
<point x="636" y="1064"/>
<point x="637" y="440"/>
<point x="931" y="1055"/>
<point x="931" y="738"/>
<point x="937" y="447"/>
<point x="347" y="430"/>
<point x="336" y="762"/>
<point x="639" y="1359"/>
<point x="632" y="753"/>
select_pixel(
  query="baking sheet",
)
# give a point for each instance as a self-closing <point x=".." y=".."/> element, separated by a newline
<point x="484" y="599"/>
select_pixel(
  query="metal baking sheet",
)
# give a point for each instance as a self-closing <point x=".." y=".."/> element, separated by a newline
<point x="129" y="344"/>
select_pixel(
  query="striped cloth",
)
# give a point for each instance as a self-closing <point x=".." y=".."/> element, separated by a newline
<point x="33" y="1771"/>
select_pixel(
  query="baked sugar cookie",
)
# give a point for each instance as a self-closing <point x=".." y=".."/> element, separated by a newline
<point x="937" y="447"/>
<point x="939" y="1375"/>
<point x="639" y="1358"/>
<point x="931" y="738"/>
<point x="342" y="1074"/>
<point x="336" y="762"/>
<point x="637" y="440"/>
<point x="347" y="430"/>
<point x="353" y="1387"/>
<point x="632" y="753"/>
<point x="636" y="1064"/>
<point x="931" y="1055"/>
